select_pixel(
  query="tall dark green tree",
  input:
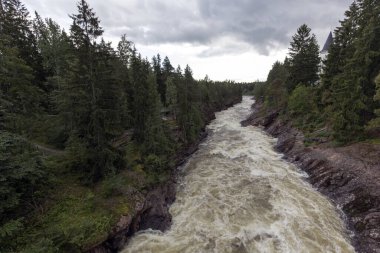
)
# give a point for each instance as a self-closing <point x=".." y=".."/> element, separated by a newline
<point x="276" y="92"/>
<point x="122" y="65"/>
<point x="148" y="127"/>
<point x="190" y="119"/>
<point x="304" y="58"/>
<point x="15" y="23"/>
<point x="161" y="86"/>
<point x="340" y="51"/>
<point x="92" y="96"/>
<point x="21" y="73"/>
<point x="353" y="88"/>
<point x="167" y="68"/>
<point x="21" y="97"/>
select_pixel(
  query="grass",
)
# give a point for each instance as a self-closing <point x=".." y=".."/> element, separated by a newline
<point x="76" y="217"/>
<point x="374" y="141"/>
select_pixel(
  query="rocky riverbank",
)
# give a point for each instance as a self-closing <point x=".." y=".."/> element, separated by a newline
<point x="152" y="211"/>
<point x="349" y="176"/>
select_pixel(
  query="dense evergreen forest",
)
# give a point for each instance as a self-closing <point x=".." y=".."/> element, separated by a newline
<point x="334" y="99"/>
<point x="85" y="127"/>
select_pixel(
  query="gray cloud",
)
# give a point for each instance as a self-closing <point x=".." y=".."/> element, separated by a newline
<point x="259" y="24"/>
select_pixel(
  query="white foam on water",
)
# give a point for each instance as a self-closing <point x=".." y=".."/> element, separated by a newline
<point x="238" y="195"/>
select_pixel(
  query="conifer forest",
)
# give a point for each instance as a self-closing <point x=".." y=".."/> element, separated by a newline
<point x="79" y="120"/>
<point x="339" y="93"/>
<point x="92" y="134"/>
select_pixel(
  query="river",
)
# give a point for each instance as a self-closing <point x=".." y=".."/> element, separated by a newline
<point x="238" y="195"/>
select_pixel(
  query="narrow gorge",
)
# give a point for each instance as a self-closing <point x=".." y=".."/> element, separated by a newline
<point x="237" y="194"/>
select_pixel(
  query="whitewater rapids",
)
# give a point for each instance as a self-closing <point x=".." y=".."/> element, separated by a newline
<point x="237" y="195"/>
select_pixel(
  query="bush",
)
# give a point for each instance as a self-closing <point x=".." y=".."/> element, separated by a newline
<point x="301" y="101"/>
<point x="276" y="95"/>
<point x="302" y="107"/>
<point x="22" y="176"/>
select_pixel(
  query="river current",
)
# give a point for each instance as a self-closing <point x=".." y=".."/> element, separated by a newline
<point x="237" y="195"/>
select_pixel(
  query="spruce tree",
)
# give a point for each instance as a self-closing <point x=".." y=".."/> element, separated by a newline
<point x="189" y="115"/>
<point x="276" y="92"/>
<point x="161" y="86"/>
<point x="167" y="68"/>
<point x="16" y="84"/>
<point x="121" y="65"/>
<point x="15" y="23"/>
<point x="340" y="51"/>
<point x="304" y="58"/>
<point x="92" y="93"/>
<point x="138" y="76"/>
<point x="353" y="89"/>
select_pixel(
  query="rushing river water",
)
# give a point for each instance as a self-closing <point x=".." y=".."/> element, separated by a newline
<point x="237" y="195"/>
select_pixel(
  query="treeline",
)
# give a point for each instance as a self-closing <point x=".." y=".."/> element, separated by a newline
<point x="74" y="94"/>
<point x="340" y="94"/>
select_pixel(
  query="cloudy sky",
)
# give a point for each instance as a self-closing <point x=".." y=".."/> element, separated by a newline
<point x="226" y="39"/>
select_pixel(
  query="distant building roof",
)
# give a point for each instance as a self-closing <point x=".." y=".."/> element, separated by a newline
<point x="328" y="43"/>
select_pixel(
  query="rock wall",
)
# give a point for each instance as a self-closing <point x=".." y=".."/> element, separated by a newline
<point x="349" y="176"/>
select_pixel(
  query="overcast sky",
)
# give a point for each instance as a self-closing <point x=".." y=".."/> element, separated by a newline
<point x="226" y="39"/>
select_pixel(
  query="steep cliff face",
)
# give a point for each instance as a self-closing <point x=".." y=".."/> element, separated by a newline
<point x="152" y="212"/>
<point x="349" y="176"/>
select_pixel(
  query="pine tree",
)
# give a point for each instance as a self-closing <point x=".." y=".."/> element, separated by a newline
<point x="161" y="86"/>
<point x="138" y="81"/>
<point x="353" y="89"/>
<point x="21" y="72"/>
<point x="93" y="101"/>
<point x="276" y="92"/>
<point x="340" y="50"/>
<point x="189" y="115"/>
<point x="148" y="127"/>
<point x="304" y="58"/>
<point x="122" y="63"/>
<point x="155" y="140"/>
<point x="171" y="95"/>
<point x="167" y="68"/>
<point x="125" y="50"/>
<point x="16" y="84"/>
<point x="16" y="25"/>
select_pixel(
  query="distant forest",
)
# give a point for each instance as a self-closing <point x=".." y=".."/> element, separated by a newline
<point x="336" y="99"/>
<point x="82" y="123"/>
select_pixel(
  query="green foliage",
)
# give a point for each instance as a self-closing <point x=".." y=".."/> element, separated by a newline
<point x="171" y="95"/>
<point x="348" y="88"/>
<point x="276" y="95"/>
<point x="375" y="123"/>
<point x="303" y="108"/>
<point x="346" y="95"/>
<point x="17" y="27"/>
<point x="304" y="59"/>
<point x="116" y="118"/>
<point x="259" y="91"/>
<point x="340" y="51"/>
<point x="22" y="97"/>
<point x="22" y="176"/>
<point x="153" y="163"/>
<point x="73" y="223"/>
<point x="190" y="119"/>
<point x="160" y="78"/>
<point x="301" y="102"/>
